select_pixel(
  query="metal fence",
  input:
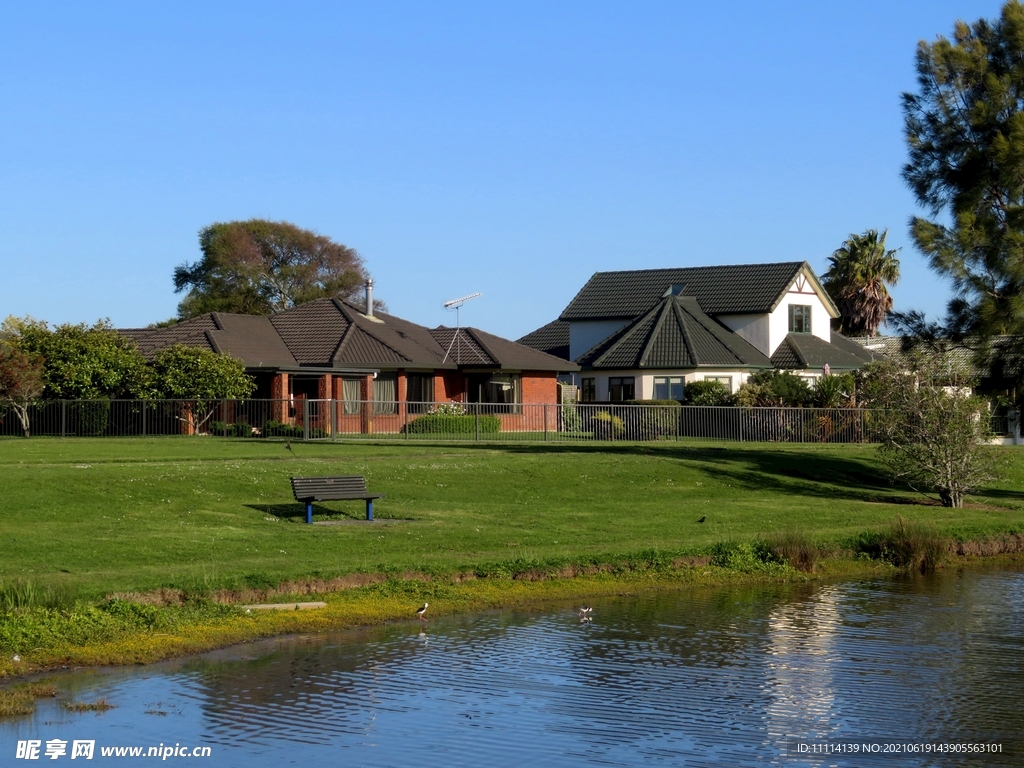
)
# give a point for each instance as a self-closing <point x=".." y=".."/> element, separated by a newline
<point x="304" y="419"/>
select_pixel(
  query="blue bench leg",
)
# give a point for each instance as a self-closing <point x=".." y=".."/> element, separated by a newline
<point x="369" y="509"/>
<point x="309" y="512"/>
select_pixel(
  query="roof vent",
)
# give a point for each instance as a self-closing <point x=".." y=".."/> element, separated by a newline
<point x="676" y="289"/>
<point x="369" y="297"/>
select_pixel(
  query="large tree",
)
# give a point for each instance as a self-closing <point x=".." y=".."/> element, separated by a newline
<point x="932" y="430"/>
<point x="81" y="362"/>
<point x="965" y="131"/>
<point x="258" y="267"/>
<point x="857" y="278"/>
<point x="21" y="381"/>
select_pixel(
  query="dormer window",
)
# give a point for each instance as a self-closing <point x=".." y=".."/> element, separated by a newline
<point x="676" y="289"/>
<point x="799" y="318"/>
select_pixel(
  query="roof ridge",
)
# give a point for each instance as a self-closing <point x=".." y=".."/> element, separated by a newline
<point x="621" y="335"/>
<point x="342" y="341"/>
<point x="654" y="332"/>
<point x="681" y="317"/>
<point x="726" y="336"/>
<point x="475" y="334"/>
<point x="704" y="266"/>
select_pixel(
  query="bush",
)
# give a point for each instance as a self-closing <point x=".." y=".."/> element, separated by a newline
<point x="794" y="549"/>
<point x="658" y="418"/>
<point x="606" y="426"/>
<point x="748" y="558"/>
<point x="453" y="424"/>
<point x="238" y="429"/>
<point x="88" y="418"/>
<point x="834" y="391"/>
<point x="911" y="546"/>
<point x="774" y="388"/>
<point x="278" y="429"/>
<point x="707" y="393"/>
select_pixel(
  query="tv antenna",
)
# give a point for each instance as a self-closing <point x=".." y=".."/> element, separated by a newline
<point x="456" y="304"/>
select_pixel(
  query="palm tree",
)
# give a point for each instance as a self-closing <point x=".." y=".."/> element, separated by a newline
<point x="856" y="279"/>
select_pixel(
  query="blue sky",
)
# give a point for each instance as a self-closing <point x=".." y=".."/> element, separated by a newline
<point x="507" y="148"/>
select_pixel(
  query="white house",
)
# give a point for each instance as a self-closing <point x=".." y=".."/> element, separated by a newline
<point x="642" y="334"/>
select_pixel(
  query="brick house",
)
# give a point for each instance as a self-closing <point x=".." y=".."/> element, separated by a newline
<point x="379" y="370"/>
<point x="643" y="334"/>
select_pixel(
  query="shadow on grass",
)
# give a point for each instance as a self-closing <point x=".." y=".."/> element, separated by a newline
<point x="296" y="512"/>
<point x="791" y="469"/>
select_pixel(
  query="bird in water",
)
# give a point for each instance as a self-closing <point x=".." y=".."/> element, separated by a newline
<point x="422" y="611"/>
<point x="702" y="518"/>
<point x="584" y="614"/>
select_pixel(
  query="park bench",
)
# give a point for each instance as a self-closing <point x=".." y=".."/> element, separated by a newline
<point x="310" y="489"/>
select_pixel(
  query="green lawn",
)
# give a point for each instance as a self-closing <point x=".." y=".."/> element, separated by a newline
<point x="135" y="514"/>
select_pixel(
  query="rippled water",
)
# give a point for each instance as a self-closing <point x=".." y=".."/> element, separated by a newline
<point x="722" y="677"/>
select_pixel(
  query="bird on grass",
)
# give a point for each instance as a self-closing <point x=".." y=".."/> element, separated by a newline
<point x="288" y="446"/>
<point x="422" y="611"/>
<point x="702" y="518"/>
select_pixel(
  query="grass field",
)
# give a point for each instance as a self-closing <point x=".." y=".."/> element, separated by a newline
<point x="109" y="515"/>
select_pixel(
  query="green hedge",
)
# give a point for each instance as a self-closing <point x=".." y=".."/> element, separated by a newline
<point x="450" y="424"/>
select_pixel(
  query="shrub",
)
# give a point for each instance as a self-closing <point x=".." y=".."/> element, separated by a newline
<point x="606" y="426"/>
<point x="912" y="546"/>
<point x="748" y="558"/>
<point x="794" y="549"/>
<point x="658" y="418"/>
<point x="774" y="388"/>
<point x="238" y="429"/>
<point x="707" y="393"/>
<point x="279" y="429"/>
<point x="834" y="391"/>
<point x="453" y="424"/>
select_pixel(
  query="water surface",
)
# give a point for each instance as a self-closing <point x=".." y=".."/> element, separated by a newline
<point x="724" y="677"/>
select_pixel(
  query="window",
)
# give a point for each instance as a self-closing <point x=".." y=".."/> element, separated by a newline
<point x="419" y="391"/>
<point x="668" y="387"/>
<point x="350" y="397"/>
<point x="621" y="388"/>
<point x="504" y="389"/>
<point x="799" y="319"/>
<point x="588" y="391"/>
<point x="726" y="381"/>
<point x="385" y="393"/>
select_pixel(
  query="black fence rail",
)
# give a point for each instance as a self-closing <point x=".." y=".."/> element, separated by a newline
<point x="305" y="419"/>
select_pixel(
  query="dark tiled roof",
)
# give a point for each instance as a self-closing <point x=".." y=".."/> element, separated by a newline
<point x="802" y="351"/>
<point x="249" y="338"/>
<point x="461" y="347"/>
<point x="736" y="289"/>
<point x="675" y="333"/>
<point x="334" y="333"/>
<point x="854" y="348"/>
<point x="513" y="356"/>
<point x="892" y="347"/>
<point x="552" y="338"/>
<point x="311" y="331"/>
<point x="191" y="333"/>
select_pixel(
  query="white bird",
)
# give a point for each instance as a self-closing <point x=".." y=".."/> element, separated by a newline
<point x="422" y="611"/>
<point x="16" y="658"/>
<point x="585" y="611"/>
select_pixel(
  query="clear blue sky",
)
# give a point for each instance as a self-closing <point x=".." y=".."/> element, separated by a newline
<point x="509" y="148"/>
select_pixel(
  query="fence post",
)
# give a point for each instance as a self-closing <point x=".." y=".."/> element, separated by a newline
<point x="545" y="422"/>
<point x="334" y="420"/>
<point x="305" y="419"/>
<point x="405" y="418"/>
<point x="63" y="418"/>
<point x="224" y="415"/>
<point x="476" y="423"/>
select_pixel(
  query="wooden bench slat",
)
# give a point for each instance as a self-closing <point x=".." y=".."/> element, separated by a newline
<point x="339" y="488"/>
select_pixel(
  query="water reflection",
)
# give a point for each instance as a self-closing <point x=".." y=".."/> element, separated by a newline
<point x="718" y="678"/>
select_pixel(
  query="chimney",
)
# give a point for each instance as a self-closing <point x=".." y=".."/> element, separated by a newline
<point x="369" y="297"/>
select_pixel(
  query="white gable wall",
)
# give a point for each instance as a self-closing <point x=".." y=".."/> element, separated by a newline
<point x="751" y="328"/>
<point x="801" y="292"/>
<point x="584" y="335"/>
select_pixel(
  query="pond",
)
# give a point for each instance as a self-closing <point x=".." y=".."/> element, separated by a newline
<point x="722" y="677"/>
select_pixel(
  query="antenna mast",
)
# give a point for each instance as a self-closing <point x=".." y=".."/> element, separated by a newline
<point x="456" y="304"/>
